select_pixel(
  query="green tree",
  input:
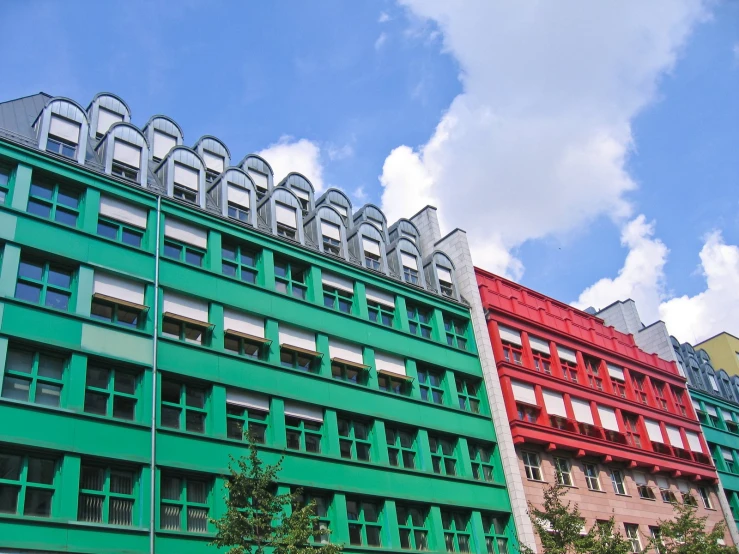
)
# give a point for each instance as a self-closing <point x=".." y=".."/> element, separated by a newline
<point x="257" y="519"/>
<point x="687" y="533"/>
<point x="607" y="540"/>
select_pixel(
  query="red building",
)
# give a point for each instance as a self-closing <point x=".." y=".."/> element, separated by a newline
<point x="587" y="406"/>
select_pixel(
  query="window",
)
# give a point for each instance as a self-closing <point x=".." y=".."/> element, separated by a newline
<point x="351" y="372"/>
<point x="430" y="385"/>
<point x="33" y="377"/>
<point x="4" y="183"/>
<point x="45" y="283"/>
<point x="633" y="435"/>
<point x="286" y="221"/>
<point x="456" y="531"/>
<point x="657" y="537"/>
<point x="532" y="465"/>
<point x="419" y="321"/>
<point x="297" y="359"/>
<point x="617" y="479"/>
<point x="239" y="262"/>
<point x="592" y="370"/>
<point x="290" y="279"/>
<point x="446" y="285"/>
<point x="592" y="477"/>
<point x="456" y="332"/>
<point x="64" y="136"/>
<point x="185" y="330"/>
<point x="665" y="491"/>
<point x="401" y="447"/>
<point x="303" y="198"/>
<point x="410" y="268"/>
<point x="365" y="527"/>
<point x="380" y="313"/>
<point x="238" y="203"/>
<point x="412" y="526"/>
<point x="569" y="370"/>
<point x="337" y="299"/>
<point x="246" y="412"/>
<point x="120" y="232"/>
<point x="244" y="346"/>
<point x="107" y="495"/>
<point x="563" y="472"/>
<point x="163" y="143"/>
<point x="512" y="353"/>
<point x="372" y="254"/>
<point x="354" y="439"/>
<point x="116" y="313"/>
<point x="331" y="234"/>
<point x="617" y="380"/>
<point x="642" y="485"/>
<point x="111" y="392"/>
<point x="443" y="455"/>
<point x="494" y="529"/>
<point x="706" y="498"/>
<point x="679" y="396"/>
<point x="186" y="183"/>
<point x="184" y="504"/>
<point x="731" y="425"/>
<point x="26" y="484"/>
<point x="303" y="434"/>
<point x="639" y="389"/>
<point x="542" y="359"/>
<point x="632" y="534"/>
<point x="467" y="392"/>
<point x="391" y="383"/>
<point x="481" y="457"/>
<point x="183" y="252"/>
<point x="321" y="521"/>
<point x="659" y="393"/>
<point x="728" y="457"/>
<point x="183" y="406"/>
<point x="126" y="160"/>
<point x="527" y="413"/>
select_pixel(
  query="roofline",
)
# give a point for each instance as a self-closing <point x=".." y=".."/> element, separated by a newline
<point x="714" y="336"/>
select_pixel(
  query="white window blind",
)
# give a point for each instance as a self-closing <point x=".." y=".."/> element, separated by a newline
<point x="185" y="306"/>
<point x="608" y="418"/>
<point x="119" y="288"/>
<point x="345" y="351"/>
<point x="726" y="453"/>
<point x="248" y="399"/>
<point x="693" y="441"/>
<point x="727" y="415"/>
<point x="106" y="118"/>
<point x="121" y="211"/>
<point x="554" y="403"/>
<point x="178" y="230"/>
<point x="333" y="280"/>
<point x="615" y="372"/>
<point x="127" y="153"/>
<point x="260" y="179"/>
<point x="523" y="392"/>
<point x="673" y="434"/>
<point x="409" y="261"/>
<point x="566" y="354"/>
<point x="299" y="338"/>
<point x="640" y="478"/>
<point x="303" y="195"/>
<point x="186" y="176"/>
<point x="303" y="411"/>
<point x="662" y="483"/>
<point x="286" y="215"/>
<point x="214" y="162"/>
<point x="696" y="405"/>
<point x="711" y="411"/>
<point x="65" y="129"/>
<point x="387" y="362"/>
<point x="539" y="345"/>
<point x="371" y="246"/>
<point x="683" y="487"/>
<point x="384" y="298"/>
<point x="163" y="143"/>
<point x="242" y="322"/>
<point x="341" y="209"/>
<point x="238" y="195"/>
<point x="582" y="410"/>
<point x="330" y="230"/>
<point x="712" y="379"/>
<point x="654" y="431"/>
<point x="509" y="335"/>
<point x="445" y="276"/>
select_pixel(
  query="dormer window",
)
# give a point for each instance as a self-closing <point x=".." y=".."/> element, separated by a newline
<point x="445" y="281"/>
<point x="376" y="221"/>
<point x="303" y="197"/>
<point x="238" y="203"/>
<point x="213" y="166"/>
<point x="163" y="143"/>
<point x="410" y="268"/>
<point x="331" y="238"/>
<point x="372" y="256"/>
<point x="106" y="119"/>
<point x="287" y="225"/>
<point x="406" y="235"/>
<point x="64" y="136"/>
<point x="343" y="211"/>
<point x="261" y="182"/>
<point x="185" y="183"/>
<point x="126" y="160"/>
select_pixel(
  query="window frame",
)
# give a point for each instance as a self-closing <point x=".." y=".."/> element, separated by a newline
<point x="454" y="532"/>
<point x="250" y="419"/>
<point x="705" y="498"/>
<point x="6" y="175"/>
<point x="618" y="481"/>
<point x="563" y="476"/>
<point x="185" y="326"/>
<point x="416" y="324"/>
<point x="494" y="533"/>
<point x="592" y="479"/>
<point x="107" y="495"/>
<point x="289" y="282"/>
<point x="593" y="372"/>
<point x="183" y="503"/>
<point x="429" y="390"/>
<point x="242" y="343"/>
<point x="466" y="398"/>
<point x="52" y="202"/>
<point x="183" y="251"/>
<point x="454" y="337"/>
<point x="532" y="465"/>
<point x="302" y="432"/>
<point x="440" y="458"/>
<point x="354" y="440"/>
<point x="110" y="392"/>
<point x="43" y="285"/>
<point x="183" y="407"/>
<point x="116" y="308"/>
<point x="481" y="460"/>
<point x="34" y="378"/>
<point x="241" y="268"/>
<point x="411" y="530"/>
<point x="631" y="531"/>
<point x="338" y="299"/>
<point x="396" y="449"/>
<point x="120" y="230"/>
<point x="542" y="362"/>
<point x="394" y="384"/>
<point x="361" y="522"/>
<point x="377" y="313"/>
<point x="23" y="485"/>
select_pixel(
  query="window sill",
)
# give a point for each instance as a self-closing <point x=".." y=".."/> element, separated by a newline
<point x="187" y="534"/>
<point x="624" y="495"/>
<point x="109" y="527"/>
<point x="649" y="499"/>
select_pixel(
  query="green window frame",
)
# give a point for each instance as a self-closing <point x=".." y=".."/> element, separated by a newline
<point x="481" y="458"/>
<point x="413" y="526"/>
<point x="298" y="359"/>
<point x="244" y="346"/>
<point x="393" y="384"/>
<point x="45" y="283"/>
<point x="183" y="406"/>
<point x="444" y="458"/>
<point x="321" y="519"/>
<point x="402" y="447"/>
<point x="117" y="313"/>
<point x="494" y="526"/>
<point x="184" y="503"/>
<point x="419" y="321"/>
<point x="457" y="536"/>
<point x="468" y="394"/>
<point x="305" y="435"/>
<point x="456" y="332"/>
<point x="186" y="331"/>
<point x="107" y="495"/>
<point x="355" y="441"/>
<point x="239" y="417"/>
<point x="183" y="252"/>
<point x="431" y="385"/>
<point x="379" y="313"/>
<point x="239" y="262"/>
<point x="352" y="373"/>
<point x="34" y="376"/>
<point x="56" y="202"/>
<point x="27" y="484"/>
<point x="365" y="522"/>
<point x="337" y="299"/>
<point x="120" y="232"/>
<point x="5" y="174"/>
<point x="290" y="279"/>
<point x="111" y="392"/>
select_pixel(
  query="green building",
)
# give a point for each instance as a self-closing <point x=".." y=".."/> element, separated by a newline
<point x="156" y="298"/>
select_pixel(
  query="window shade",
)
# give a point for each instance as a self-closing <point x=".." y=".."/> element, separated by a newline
<point x="238" y="195"/>
<point x="332" y="280"/>
<point x="106" y="118"/>
<point x="615" y="372"/>
<point x="247" y="399"/>
<point x="341" y="209"/>
<point x="64" y="129"/>
<point x="582" y="410"/>
<point x="696" y="405"/>
<point x="523" y="392"/>
<point x="673" y="435"/>
<point x="345" y="351"/>
<point x="243" y="323"/>
<point x="163" y="143"/>
<point x="300" y="193"/>
<point x="509" y="335"/>
<point x="554" y="403"/>
<point x="178" y="230"/>
<point x="260" y="179"/>
<point x="683" y="487"/>
<point x="711" y="411"/>
<point x="186" y="176"/>
<point x="409" y="261"/>
<point x="608" y="418"/>
<point x="640" y="478"/>
<point x="566" y="354"/>
<point x="444" y="275"/>
<point x="693" y="441"/>
<point x="121" y="211"/>
<point x="727" y="415"/>
<point x="186" y="306"/>
<point x="374" y="295"/>
<point x="286" y="215"/>
<point x="213" y="162"/>
<point x="662" y="483"/>
<point x="127" y="153"/>
<point x="726" y="453"/>
<point x="386" y="362"/>
<point x="303" y="411"/>
<point x="371" y="246"/>
<point x="539" y="345"/>
<point x="299" y="338"/>
<point x="330" y="230"/>
<point x="116" y="287"/>
<point x="712" y="379"/>
<point x="654" y="431"/>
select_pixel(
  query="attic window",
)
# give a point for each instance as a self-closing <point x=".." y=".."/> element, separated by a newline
<point x="286" y="221"/>
<point x="213" y="165"/>
<point x="163" y="143"/>
<point x="185" y="186"/>
<point x="343" y="211"/>
<point x="376" y="221"/>
<point x="126" y="160"/>
<point x="106" y="119"/>
<point x="372" y="256"/>
<point x="410" y="268"/>
<point x="238" y="202"/>
<point x="331" y="234"/>
<point x="261" y="181"/>
<point x="410" y="236"/>
<point x="445" y="281"/>
<point x="64" y="136"/>
<point x="304" y="198"/>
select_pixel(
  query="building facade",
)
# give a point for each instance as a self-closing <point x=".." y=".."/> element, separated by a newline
<point x="156" y="299"/>
<point x="723" y="349"/>
<point x="589" y="408"/>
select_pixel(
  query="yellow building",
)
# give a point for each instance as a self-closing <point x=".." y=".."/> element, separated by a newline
<point x="724" y="352"/>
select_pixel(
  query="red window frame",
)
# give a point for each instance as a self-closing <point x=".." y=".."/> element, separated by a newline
<point x="542" y="362"/>
<point x="569" y="370"/>
<point x="527" y="413"/>
<point x="511" y="351"/>
<point x="619" y="387"/>
<point x="633" y="436"/>
<point x="679" y="397"/>
<point x="639" y="388"/>
<point x="659" y="394"/>
<point x="592" y="369"/>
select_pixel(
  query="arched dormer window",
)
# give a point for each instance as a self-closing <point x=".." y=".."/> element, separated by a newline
<point x="373" y="214"/>
<point x="124" y="153"/>
<point x="405" y="258"/>
<point x="260" y="172"/>
<point x="183" y="173"/>
<point x="104" y="111"/>
<point x="62" y="129"/>
<point x="404" y="228"/>
<point x="282" y="212"/>
<point x="367" y="243"/>
<point x="235" y="194"/>
<point x="215" y="154"/>
<point x="328" y="228"/>
<point x="302" y="188"/>
<point x="338" y="201"/>
<point x="162" y="134"/>
<point x="735" y="385"/>
<point x="440" y="271"/>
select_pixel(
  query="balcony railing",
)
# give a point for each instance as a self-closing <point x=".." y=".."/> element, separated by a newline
<point x="661" y="448"/>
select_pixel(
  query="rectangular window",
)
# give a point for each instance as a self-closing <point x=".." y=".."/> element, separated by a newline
<point x="185" y="504"/>
<point x="593" y="372"/>
<point x="633" y="435"/>
<point x="183" y="406"/>
<point x="365" y="522"/>
<point x="419" y="321"/>
<point x="494" y="528"/>
<point x="640" y="388"/>
<point x="542" y="362"/>
<point x="728" y="458"/>
<point x="632" y="534"/>
<point x="443" y="455"/>
<point x="642" y="485"/>
<point x="246" y="412"/>
<point x="118" y="301"/>
<point x="304" y="426"/>
<point x="111" y="392"/>
<point x="331" y="234"/>
<point x="592" y="477"/>
<point x="468" y="394"/>
<point x="186" y="183"/>
<point x="568" y="363"/>
<point x="191" y="331"/>
<point x="64" y="136"/>
<point x="321" y="520"/>
<point x="389" y="382"/>
<point x="456" y="527"/>
<point x="238" y="201"/>
<point x="183" y="252"/>
<point x="481" y="457"/>
<point x="413" y="527"/>
<point x="54" y="201"/>
<point x="290" y="279"/>
<point x="563" y="472"/>
<point x="121" y="221"/>
<point x="527" y="413"/>
<point x="659" y="393"/>
<point x="401" y="447"/>
<point x="355" y="442"/>
<point x="618" y="383"/>
<point x="350" y="372"/>
<point x="410" y="268"/>
<point x="532" y="465"/>
<point x="665" y="490"/>
<point x="239" y="262"/>
<point x="26" y="484"/>
<point x="379" y="313"/>
<point x="706" y="498"/>
<point x="286" y="221"/>
<point x="372" y="255"/>
<point x="337" y="295"/>
<point x="126" y="160"/>
<point x="617" y="479"/>
<point x="163" y="143"/>
<point x="656" y="534"/>
<point x="33" y="376"/>
<point x="107" y="495"/>
<point x="4" y="183"/>
<point x="456" y="332"/>
<point x="244" y="344"/>
<point x="446" y="285"/>
<point x="120" y="232"/>
<point x="430" y="384"/>
<point x="45" y="283"/>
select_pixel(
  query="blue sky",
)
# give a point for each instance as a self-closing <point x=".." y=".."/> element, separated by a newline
<point x="360" y="79"/>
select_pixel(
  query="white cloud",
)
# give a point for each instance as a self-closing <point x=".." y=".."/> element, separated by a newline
<point x="536" y="144"/>
<point x="359" y="195"/>
<point x="735" y="50"/>
<point x="336" y="153"/>
<point x="384" y="18"/>
<point x="380" y="40"/>
<point x="301" y="156"/>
